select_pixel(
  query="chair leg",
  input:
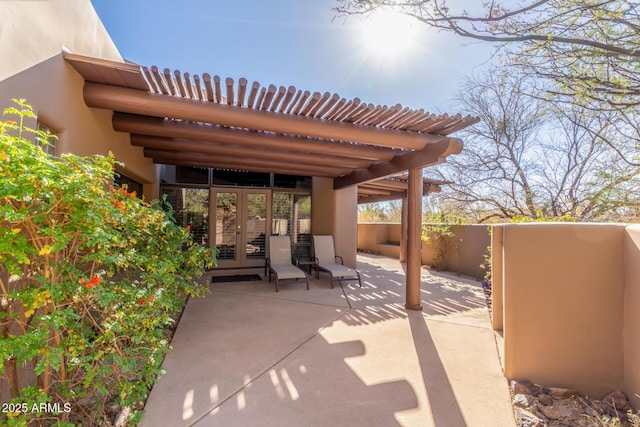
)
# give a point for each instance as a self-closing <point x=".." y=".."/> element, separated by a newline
<point x="359" y="278"/>
<point x="307" y="279"/>
<point x="276" y="283"/>
<point x="331" y="275"/>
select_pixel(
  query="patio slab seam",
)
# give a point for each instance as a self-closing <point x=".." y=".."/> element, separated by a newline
<point x="431" y="319"/>
<point x="348" y="306"/>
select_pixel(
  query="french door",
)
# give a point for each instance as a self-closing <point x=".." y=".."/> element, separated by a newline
<point x="241" y="222"/>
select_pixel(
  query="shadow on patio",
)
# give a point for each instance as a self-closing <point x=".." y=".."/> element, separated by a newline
<point x="246" y="356"/>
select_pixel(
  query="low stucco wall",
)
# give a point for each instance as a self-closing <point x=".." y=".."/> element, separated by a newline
<point x="497" y="297"/>
<point x="382" y="238"/>
<point x="631" y="335"/>
<point x="571" y="302"/>
<point x="465" y="252"/>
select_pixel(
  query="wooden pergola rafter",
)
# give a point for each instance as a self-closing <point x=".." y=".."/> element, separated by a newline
<point x="191" y="120"/>
<point x="175" y="115"/>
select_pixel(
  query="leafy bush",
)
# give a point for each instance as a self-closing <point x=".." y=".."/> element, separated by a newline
<point x="89" y="278"/>
<point x="439" y="233"/>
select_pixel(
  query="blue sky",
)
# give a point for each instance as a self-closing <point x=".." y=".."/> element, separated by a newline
<point x="299" y="43"/>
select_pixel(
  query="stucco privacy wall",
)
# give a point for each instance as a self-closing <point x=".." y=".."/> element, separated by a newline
<point x="335" y="212"/>
<point x="564" y="290"/>
<point x="54" y="88"/>
<point x="32" y="31"/>
<point x="497" y="282"/>
<point x="465" y="252"/>
<point x="382" y="238"/>
<point x="632" y="314"/>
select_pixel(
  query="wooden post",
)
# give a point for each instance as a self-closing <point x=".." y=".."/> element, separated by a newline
<point x="414" y="239"/>
<point x="403" y="231"/>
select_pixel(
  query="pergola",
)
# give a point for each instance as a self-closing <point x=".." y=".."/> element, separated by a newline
<point x="192" y="120"/>
<point x="394" y="188"/>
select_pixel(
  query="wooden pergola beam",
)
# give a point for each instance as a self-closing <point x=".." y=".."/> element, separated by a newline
<point x="235" y="166"/>
<point x="212" y="148"/>
<point x="389" y="184"/>
<point x="154" y="126"/>
<point x="385" y="184"/>
<point x="381" y="196"/>
<point x="369" y="191"/>
<point x="432" y="154"/>
<point x="159" y="105"/>
<point x="245" y="163"/>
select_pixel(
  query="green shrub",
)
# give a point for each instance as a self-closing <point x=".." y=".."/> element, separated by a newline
<point x="89" y="278"/>
<point x="438" y="233"/>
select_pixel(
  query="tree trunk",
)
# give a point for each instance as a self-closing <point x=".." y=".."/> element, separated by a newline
<point x="11" y="370"/>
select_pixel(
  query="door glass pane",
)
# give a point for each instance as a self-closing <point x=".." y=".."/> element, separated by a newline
<point x="291" y="215"/>
<point x="256" y="226"/>
<point x="196" y="214"/>
<point x="226" y="225"/>
<point x="190" y="210"/>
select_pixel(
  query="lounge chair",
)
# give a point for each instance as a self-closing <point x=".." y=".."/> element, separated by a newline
<point x="280" y="261"/>
<point x="325" y="259"/>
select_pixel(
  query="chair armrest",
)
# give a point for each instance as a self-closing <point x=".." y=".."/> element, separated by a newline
<point x="295" y="261"/>
<point x="316" y="261"/>
<point x="339" y="258"/>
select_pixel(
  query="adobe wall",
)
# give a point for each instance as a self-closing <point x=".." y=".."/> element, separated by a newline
<point x="563" y="305"/>
<point x="381" y="238"/>
<point x="497" y="283"/>
<point x="335" y="212"/>
<point x="54" y="89"/>
<point x="632" y="314"/>
<point x="467" y="249"/>
<point x="464" y="255"/>
<point x="33" y="69"/>
<point x="33" y="31"/>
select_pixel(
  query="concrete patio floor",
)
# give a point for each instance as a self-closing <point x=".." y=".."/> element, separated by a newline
<point x="248" y="356"/>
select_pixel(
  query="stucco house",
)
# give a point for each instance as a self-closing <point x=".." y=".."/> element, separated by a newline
<point x="238" y="160"/>
<point x="242" y="160"/>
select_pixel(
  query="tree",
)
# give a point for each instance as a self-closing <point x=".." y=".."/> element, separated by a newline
<point x="589" y="50"/>
<point x="371" y="212"/>
<point x="532" y="159"/>
<point x="380" y="212"/>
<point x="591" y="45"/>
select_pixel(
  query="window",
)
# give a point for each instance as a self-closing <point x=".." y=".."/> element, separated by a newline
<point x="190" y="210"/>
<point x="171" y="174"/>
<point x="241" y="179"/>
<point x="291" y="181"/>
<point x="48" y="143"/>
<point x="291" y="215"/>
<point x="129" y="184"/>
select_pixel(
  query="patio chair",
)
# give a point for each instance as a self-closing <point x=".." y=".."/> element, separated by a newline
<point x="280" y="261"/>
<point x="326" y="260"/>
